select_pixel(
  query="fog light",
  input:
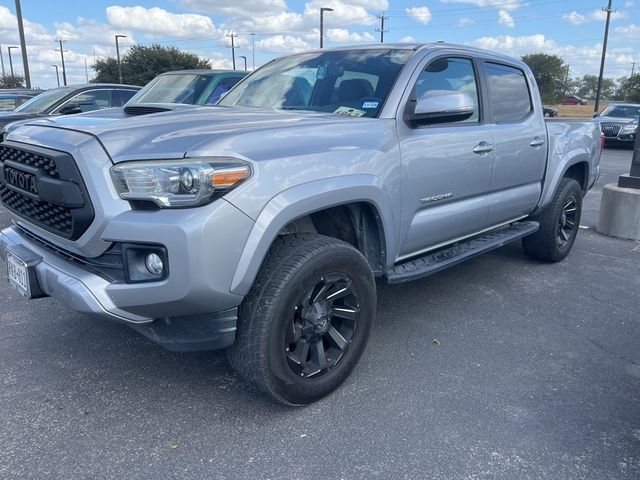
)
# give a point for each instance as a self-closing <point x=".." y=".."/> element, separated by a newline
<point x="154" y="264"/>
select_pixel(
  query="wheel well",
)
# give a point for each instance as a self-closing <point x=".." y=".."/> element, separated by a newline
<point x="580" y="173"/>
<point x="358" y="224"/>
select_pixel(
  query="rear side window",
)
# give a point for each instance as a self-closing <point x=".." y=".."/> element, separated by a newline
<point x="508" y="93"/>
<point x="223" y="87"/>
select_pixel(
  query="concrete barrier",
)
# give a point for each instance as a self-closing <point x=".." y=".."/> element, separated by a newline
<point x="620" y="212"/>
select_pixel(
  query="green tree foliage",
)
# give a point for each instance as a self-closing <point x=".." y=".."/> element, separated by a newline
<point x="588" y="85"/>
<point x="143" y="63"/>
<point x="550" y="72"/>
<point x="629" y="89"/>
<point x="11" y="81"/>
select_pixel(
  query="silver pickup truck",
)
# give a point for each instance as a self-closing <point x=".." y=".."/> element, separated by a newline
<point x="260" y="225"/>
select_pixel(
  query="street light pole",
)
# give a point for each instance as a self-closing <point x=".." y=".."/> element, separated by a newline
<point x="245" y="61"/>
<point x="57" y="75"/>
<point x="10" y="60"/>
<point x="118" y="55"/>
<point x="604" y="54"/>
<point x="64" y="70"/>
<point x="322" y="10"/>
<point x="23" y="45"/>
<point x="2" y="60"/>
<point x="253" y="50"/>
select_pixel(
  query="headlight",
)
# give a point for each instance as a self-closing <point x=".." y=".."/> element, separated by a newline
<point x="179" y="183"/>
<point x="627" y="129"/>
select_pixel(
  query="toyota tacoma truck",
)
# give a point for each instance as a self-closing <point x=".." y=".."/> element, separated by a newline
<point x="260" y="225"/>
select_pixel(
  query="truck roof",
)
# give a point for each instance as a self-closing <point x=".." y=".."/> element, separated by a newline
<point x="424" y="46"/>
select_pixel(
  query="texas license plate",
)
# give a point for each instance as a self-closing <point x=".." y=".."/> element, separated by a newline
<point x="18" y="273"/>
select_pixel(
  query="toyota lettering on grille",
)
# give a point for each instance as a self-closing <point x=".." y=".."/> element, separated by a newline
<point x="22" y="180"/>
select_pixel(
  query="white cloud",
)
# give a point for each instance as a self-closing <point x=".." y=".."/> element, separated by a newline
<point x="582" y="60"/>
<point x="407" y="39"/>
<point x="282" y="44"/>
<point x="419" y="14"/>
<point x="503" y="4"/>
<point x="465" y="21"/>
<point x="158" y="21"/>
<point x="240" y="8"/>
<point x="629" y="32"/>
<point x="343" y="35"/>
<point x="504" y="18"/>
<point x="595" y="16"/>
<point x="629" y="4"/>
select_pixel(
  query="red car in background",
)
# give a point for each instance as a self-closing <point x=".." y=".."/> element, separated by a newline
<point x="574" y="100"/>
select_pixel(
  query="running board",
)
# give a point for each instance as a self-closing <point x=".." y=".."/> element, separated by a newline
<point x="458" y="252"/>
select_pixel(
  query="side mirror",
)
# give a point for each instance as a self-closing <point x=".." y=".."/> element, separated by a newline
<point x="439" y="106"/>
<point x="70" y="109"/>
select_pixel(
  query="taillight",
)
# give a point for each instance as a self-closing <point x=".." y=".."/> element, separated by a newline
<point x="601" y="142"/>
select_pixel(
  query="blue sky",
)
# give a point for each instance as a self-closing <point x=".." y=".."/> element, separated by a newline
<point x="572" y="29"/>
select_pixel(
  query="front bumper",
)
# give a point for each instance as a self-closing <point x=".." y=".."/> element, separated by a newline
<point x="192" y="309"/>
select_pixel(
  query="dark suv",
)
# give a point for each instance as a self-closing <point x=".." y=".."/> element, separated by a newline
<point x="71" y="99"/>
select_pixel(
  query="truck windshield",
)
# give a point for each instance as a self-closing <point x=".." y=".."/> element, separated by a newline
<point x="353" y="83"/>
<point x="621" y="111"/>
<point x="175" y="88"/>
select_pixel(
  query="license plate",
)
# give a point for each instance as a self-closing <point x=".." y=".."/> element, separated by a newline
<point x="18" y="274"/>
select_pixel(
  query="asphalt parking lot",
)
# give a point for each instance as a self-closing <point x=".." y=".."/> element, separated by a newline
<point x="498" y="368"/>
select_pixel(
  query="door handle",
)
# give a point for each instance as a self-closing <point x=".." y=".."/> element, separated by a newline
<point x="537" y="142"/>
<point x="483" y="147"/>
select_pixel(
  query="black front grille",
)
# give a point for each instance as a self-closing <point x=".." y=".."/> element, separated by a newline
<point x="58" y="202"/>
<point x="610" y="129"/>
<point x="54" y="217"/>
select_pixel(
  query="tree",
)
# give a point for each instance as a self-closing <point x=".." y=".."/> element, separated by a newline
<point x="630" y="88"/>
<point x="142" y="63"/>
<point x="11" y="81"/>
<point x="550" y="73"/>
<point x="589" y="86"/>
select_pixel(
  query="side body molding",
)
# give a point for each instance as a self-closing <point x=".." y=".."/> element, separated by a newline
<point x="302" y="200"/>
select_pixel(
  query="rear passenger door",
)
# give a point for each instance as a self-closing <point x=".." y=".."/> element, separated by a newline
<point x="520" y="143"/>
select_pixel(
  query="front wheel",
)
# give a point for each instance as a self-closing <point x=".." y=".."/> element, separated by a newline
<point x="559" y="224"/>
<point x="307" y="319"/>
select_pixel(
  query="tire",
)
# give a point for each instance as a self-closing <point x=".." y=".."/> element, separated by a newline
<point x="559" y="224"/>
<point x="312" y="293"/>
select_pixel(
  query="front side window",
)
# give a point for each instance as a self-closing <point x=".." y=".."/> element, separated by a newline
<point x="89" y="101"/>
<point x="350" y="82"/>
<point x="508" y="93"/>
<point x="449" y="75"/>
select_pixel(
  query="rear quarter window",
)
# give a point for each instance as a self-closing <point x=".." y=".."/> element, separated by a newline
<point x="508" y="93"/>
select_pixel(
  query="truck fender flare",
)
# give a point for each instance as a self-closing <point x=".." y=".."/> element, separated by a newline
<point x="304" y="199"/>
<point x="568" y="160"/>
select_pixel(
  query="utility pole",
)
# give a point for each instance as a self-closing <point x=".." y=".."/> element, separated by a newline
<point x="633" y="68"/>
<point x="118" y="55"/>
<point x="64" y="70"/>
<point x="322" y="10"/>
<point x="381" y="29"/>
<point x="233" y="48"/>
<point x="57" y="75"/>
<point x="253" y="51"/>
<point x="10" y="59"/>
<point x="23" y="45"/>
<point x="245" y="61"/>
<point x="604" y="54"/>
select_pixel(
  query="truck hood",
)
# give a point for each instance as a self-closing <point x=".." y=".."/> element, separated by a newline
<point x="622" y="120"/>
<point x="173" y="134"/>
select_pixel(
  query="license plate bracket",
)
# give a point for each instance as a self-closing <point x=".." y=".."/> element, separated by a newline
<point x="21" y="272"/>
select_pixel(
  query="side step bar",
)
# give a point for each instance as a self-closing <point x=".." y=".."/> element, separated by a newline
<point x="458" y="252"/>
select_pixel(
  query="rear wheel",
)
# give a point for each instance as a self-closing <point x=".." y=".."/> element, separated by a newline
<point x="559" y="224"/>
<point x="307" y="319"/>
